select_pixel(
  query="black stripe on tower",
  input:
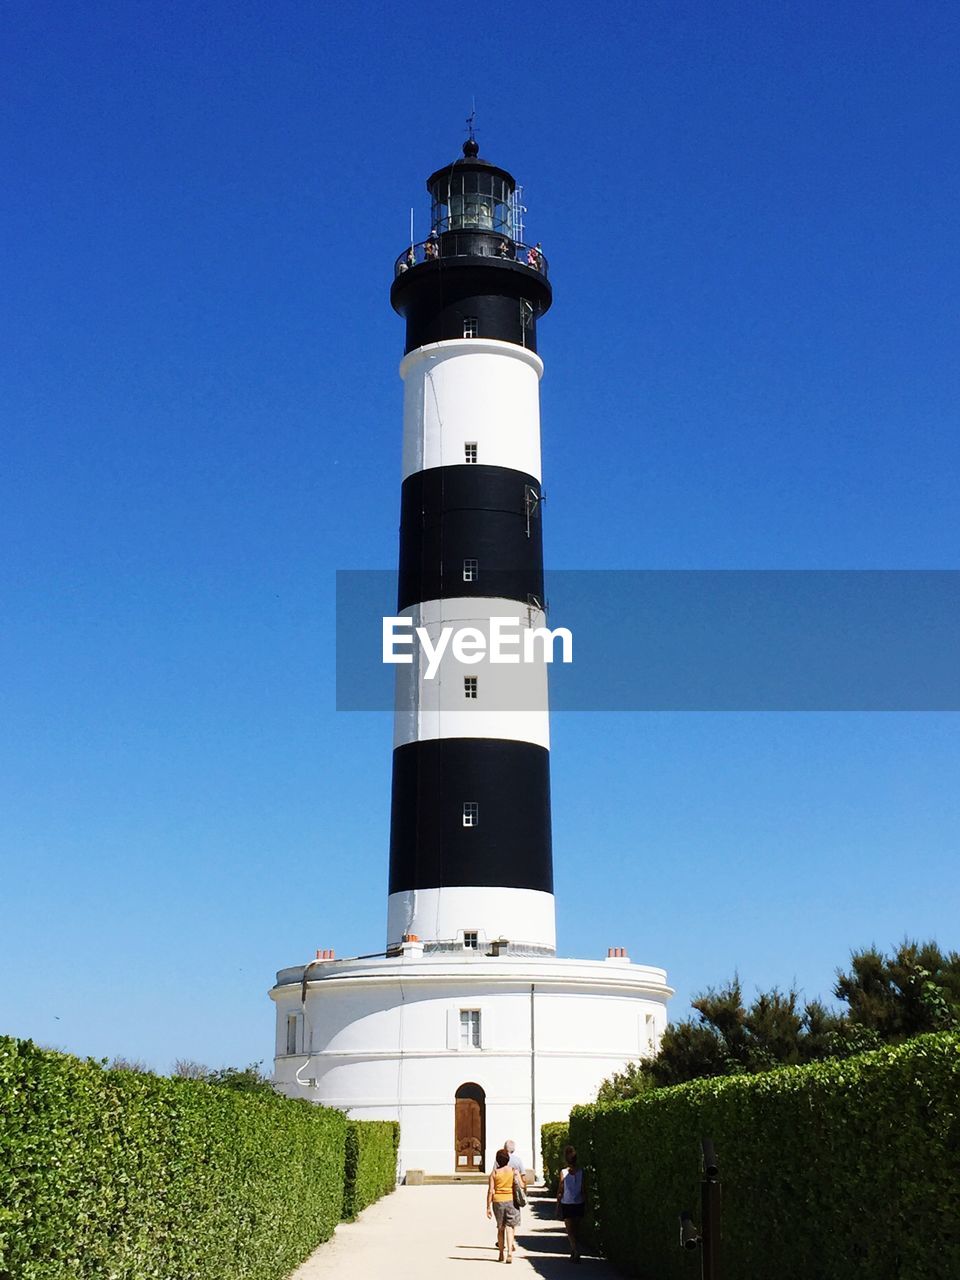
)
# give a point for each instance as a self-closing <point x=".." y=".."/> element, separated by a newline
<point x="454" y="516"/>
<point x="510" y="845"/>
<point x="504" y="298"/>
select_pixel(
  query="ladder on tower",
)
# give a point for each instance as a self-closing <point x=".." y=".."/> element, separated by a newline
<point x="517" y="210"/>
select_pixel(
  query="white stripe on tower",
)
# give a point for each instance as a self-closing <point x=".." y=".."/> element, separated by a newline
<point x="471" y="391"/>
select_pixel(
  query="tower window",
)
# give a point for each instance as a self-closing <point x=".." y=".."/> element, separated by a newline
<point x="469" y="686"/>
<point x="471" y="939"/>
<point x="471" y="813"/>
<point x="471" y="328"/>
<point x="470" y="451"/>
<point x="291" y="1033"/>
<point x="469" y="1028"/>
<point x="470" y="570"/>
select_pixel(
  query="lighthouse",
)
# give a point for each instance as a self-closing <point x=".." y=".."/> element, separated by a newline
<point x="470" y="844"/>
<point x="468" y="1025"/>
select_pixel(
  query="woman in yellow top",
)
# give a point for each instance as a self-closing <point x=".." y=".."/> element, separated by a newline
<point x="500" y="1205"/>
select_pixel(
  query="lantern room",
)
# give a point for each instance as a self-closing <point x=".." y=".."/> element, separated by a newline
<point x="472" y="195"/>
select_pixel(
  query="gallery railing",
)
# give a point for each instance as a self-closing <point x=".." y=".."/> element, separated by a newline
<point x="471" y="244"/>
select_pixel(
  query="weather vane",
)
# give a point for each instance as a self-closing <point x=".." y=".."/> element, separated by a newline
<point x="471" y="121"/>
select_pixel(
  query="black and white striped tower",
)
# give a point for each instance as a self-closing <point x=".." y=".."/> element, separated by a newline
<point x="470" y="844"/>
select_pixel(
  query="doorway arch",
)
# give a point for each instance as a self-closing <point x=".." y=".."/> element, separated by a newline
<point x="470" y="1128"/>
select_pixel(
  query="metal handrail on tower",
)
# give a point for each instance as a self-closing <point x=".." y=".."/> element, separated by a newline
<point x="472" y="244"/>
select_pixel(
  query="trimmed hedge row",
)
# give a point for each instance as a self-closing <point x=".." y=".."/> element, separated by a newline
<point x="841" y="1168"/>
<point x="553" y="1138"/>
<point x="140" y="1177"/>
<point x="371" y="1163"/>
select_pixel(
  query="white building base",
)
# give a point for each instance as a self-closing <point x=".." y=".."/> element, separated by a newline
<point x="383" y="1039"/>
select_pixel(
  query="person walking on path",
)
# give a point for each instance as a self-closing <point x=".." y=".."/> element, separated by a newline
<point x="571" y="1199"/>
<point x="516" y="1160"/>
<point x="500" y="1188"/>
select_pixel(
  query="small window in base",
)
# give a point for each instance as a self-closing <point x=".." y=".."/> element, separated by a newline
<point x="470" y="686"/>
<point x="469" y="1028"/>
<point x="470" y="451"/>
<point x="470" y="327"/>
<point x="471" y="813"/>
<point x="470" y="570"/>
<point x="291" y="1033"/>
<point x="471" y="939"/>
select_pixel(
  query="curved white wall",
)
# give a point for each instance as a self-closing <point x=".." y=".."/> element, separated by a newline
<point x="471" y="390"/>
<point x="381" y="1041"/>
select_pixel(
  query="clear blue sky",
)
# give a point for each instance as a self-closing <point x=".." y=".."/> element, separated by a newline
<point x="750" y="211"/>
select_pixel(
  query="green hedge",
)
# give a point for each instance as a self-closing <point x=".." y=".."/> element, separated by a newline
<point x="833" y="1170"/>
<point x="139" y="1177"/>
<point x="553" y="1138"/>
<point x="371" y="1163"/>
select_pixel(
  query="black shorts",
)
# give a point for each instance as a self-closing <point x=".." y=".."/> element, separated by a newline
<point x="571" y="1210"/>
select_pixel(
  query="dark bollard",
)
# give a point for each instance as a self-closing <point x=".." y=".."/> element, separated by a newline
<point x="689" y="1235"/>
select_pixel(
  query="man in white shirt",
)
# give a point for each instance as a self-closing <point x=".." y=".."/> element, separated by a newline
<point x="515" y="1161"/>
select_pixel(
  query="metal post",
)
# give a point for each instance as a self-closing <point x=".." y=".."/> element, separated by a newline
<point x="710" y="1229"/>
<point x="710" y="1213"/>
<point x="707" y="1239"/>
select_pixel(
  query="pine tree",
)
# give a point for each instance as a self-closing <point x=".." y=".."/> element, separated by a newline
<point x="916" y="990"/>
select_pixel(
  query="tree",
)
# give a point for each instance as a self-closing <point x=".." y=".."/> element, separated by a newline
<point x="889" y="999"/>
<point x="186" y="1069"/>
<point x="248" y="1080"/>
<point x="137" y="1065"/>
<point x="826" y="1034"/>
<point x="917" y="989"/>
<point x="688" y="1050"/>
<point x="729" y="1038"/>
<point x="633" y="1080"/>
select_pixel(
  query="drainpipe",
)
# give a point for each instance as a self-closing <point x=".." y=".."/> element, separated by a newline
<point x="307" y="1027"/>
<point x="533" y="1080"/>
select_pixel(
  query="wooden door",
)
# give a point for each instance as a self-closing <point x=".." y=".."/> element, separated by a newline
<point x="469" y="1136"/>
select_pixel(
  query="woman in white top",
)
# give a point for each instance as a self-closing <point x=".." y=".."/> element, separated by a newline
<point x="571" y="1199"/>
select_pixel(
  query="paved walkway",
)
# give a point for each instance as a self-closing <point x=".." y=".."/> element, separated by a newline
<point x="432" y="1231"/>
